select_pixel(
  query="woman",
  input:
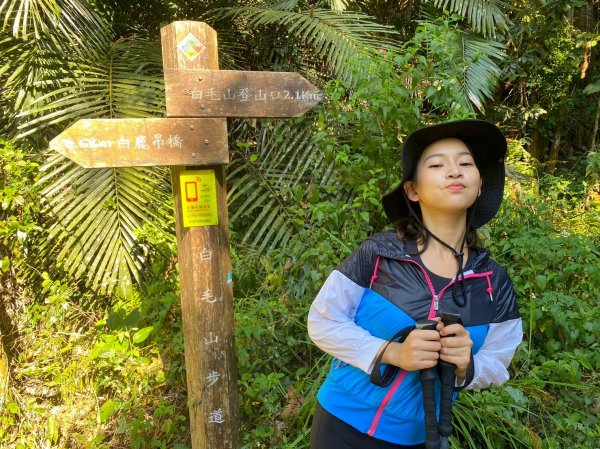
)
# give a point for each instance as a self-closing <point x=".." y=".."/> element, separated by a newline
<point x="453" y="181"/>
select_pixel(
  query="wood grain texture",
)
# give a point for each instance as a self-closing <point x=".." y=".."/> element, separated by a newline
<point x="206" y="290"/>
<point x="102" y="143"/>
<point x="232" y="93"/>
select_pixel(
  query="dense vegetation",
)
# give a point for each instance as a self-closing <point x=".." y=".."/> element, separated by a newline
<point x="91" y="348"/>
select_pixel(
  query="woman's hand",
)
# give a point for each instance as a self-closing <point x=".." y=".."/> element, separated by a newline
<point x="456" y="347"/>
<point x="420" y="350"/>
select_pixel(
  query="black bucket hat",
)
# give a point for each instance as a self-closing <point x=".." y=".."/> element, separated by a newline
<point x="488" y="146"/>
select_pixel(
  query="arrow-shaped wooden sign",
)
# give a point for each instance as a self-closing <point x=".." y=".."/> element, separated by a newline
<point x="232" y="93"/>
<point x="100" y="143"/>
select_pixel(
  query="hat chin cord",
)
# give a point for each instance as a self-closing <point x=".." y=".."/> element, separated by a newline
<point x="460" y="274"/>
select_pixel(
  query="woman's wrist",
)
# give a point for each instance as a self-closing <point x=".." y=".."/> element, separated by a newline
<point x="461" y="374"/>
<point x="392" y="354"/>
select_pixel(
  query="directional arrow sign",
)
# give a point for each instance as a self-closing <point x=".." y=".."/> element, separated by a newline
<point x="232" y="93"/>
<point x="101" y="143"/>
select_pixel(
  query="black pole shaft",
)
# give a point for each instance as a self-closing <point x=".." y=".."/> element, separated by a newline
<point x="447" y="379"/>
<point x="428" y="377"/>
<point x="447" y="376"/>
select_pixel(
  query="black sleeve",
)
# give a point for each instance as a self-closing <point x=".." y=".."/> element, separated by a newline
<point x="360" y="265"/>
<point x="504" y="297"/>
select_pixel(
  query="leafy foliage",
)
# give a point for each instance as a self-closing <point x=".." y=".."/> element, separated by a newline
<point x="96" y="214"/>
<point x="19" y="209"/>
<point x="334" y="37"/>
<point x="464" y="59"/>
<point x="485" y="16"/>
<point x="86" y="365"/>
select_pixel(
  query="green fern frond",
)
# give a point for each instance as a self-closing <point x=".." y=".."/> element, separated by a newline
<point x="96" y="213"/>
<point x="481" y="70"/>
<point x="484" y="16"/>
<point x="335" y="37"/>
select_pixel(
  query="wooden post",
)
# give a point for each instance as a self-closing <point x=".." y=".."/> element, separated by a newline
<point x="205" y="276"/>
<point x="196" y="88"/>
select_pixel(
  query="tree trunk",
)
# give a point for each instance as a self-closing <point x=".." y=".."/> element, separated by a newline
<point x="579" y="137"/>
<point x="585" y="17"/>
<point x="595" y="130"/>
<point x="538" y="143"/>
<point x="554" y="149"/>
<point x="4" y="370"/>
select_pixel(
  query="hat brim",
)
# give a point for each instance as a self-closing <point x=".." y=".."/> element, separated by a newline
<point x="488" y="146"/>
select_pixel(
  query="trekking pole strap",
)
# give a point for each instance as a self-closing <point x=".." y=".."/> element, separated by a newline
<point x="390" y="371"/>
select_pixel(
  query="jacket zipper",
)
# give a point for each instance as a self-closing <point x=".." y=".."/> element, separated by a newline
<point x="435" y="297"/>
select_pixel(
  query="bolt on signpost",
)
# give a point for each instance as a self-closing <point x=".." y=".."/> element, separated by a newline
<point x="196" y="149"/>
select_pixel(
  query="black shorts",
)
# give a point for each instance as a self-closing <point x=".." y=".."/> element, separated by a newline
<point x="329" y="432"/>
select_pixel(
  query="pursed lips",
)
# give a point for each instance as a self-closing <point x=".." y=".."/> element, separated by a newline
<point x="456" y="187"/>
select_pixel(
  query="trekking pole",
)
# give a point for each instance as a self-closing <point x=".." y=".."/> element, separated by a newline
<point x="447" y="378"/>
<point x="428" y="376"/>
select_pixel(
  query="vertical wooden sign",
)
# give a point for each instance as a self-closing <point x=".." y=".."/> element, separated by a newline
<point x="205" y="271"/>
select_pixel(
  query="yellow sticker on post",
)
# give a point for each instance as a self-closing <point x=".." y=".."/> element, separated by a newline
<point x="199" y="198"/>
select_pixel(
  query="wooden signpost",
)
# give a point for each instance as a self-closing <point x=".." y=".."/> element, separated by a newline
<point x="101" y="143"/>
<point x="196" y="150"/>
<point x="231" y="93"/>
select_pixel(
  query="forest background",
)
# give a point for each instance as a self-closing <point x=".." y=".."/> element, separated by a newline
<point x="91" y="352"/>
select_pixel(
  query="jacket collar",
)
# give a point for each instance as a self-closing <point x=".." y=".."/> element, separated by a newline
<point x="390" y="246"/>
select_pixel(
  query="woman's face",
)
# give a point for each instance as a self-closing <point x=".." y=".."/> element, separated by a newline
<point x="446" y="178"/>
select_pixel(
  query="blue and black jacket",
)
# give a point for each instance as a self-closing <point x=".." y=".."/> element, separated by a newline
<point x="377" y="291"/>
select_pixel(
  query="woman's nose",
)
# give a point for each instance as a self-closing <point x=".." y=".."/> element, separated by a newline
<point x="454" y="171"/>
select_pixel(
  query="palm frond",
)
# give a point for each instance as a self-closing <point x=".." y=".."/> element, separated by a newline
<point x="124" y="82"/>
<point x="70" y="23"/>
<point x="269" y="167"/>
<point x="484" y="16"/>
<point x="480" y="59"/>
<point x="338" y="5"/>
<point x="336" y="37"/>
<point x="41" y="44"/>
<point x="22" y="64"/>
<point x="96" y="213"/>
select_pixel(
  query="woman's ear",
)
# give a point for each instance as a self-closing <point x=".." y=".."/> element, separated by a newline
<point x="480" y="186"/>
<point x="411" y="192"/>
